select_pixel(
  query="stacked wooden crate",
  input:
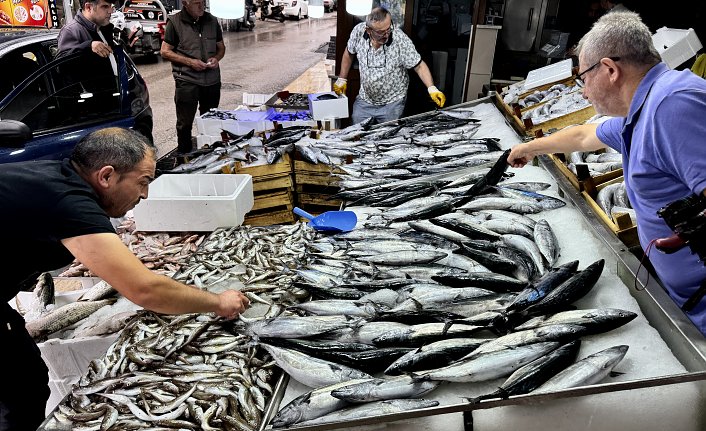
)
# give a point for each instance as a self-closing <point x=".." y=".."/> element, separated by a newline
<point x="526" y="127"/>
<point x="273" y="188"/>
<point x="315" y="185"/>
<point x="582" y="178"/>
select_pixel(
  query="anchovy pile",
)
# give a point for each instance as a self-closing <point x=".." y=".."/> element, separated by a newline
<point x="168" y="372"/>
<point x="262" y="258"/>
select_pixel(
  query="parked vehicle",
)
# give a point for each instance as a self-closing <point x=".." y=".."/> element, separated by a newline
<point x="141" y="26"/>
<point x="269" y="10"/>
<point x="248" y="20"/>
<point x="47" y="105"/>
<point x="330" y="5"/>
<point x="295" y="8"/>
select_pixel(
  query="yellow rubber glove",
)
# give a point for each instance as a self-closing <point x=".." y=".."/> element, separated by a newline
<point x="437" y="96"/>
<point x="339" y="87"/>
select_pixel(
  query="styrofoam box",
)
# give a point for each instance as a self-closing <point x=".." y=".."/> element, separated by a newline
<point x="255" y="99"/>
<point x="328" y="109"/>
<point x="675" y="45"/>
<point x="545" y="75"/>
<point x="195" y="202"/>
<point x="69" y="359"/>
<point x="206" y="140"/>
<point x="245" y="121"/>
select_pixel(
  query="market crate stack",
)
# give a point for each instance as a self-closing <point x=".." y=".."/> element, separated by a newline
<point x="582" y="179"/>
<point x="273" y="187"/>
<point x="315" y="184"/>
<point x="620" y="223"/>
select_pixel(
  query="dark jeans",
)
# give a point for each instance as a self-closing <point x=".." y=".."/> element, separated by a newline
<point x="187" y="97"/>
<point x="22" y="404"/>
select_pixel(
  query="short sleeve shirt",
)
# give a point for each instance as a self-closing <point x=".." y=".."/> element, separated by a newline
<point x="383" y="71"/>
<point x="664" y="159"/>
<point x="43" y="203"/>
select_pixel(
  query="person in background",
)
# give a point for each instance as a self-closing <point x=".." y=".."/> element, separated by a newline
<point x="193" y="42"/>
<point x="658" y="128"/>
<point x="613" y="6"/>
<point x="61" y="210"/>
<point x="384" y="55"/>
<point x="90" y="29"/>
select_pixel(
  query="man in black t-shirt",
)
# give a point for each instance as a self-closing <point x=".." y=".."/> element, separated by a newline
<point x="56" y="211"/>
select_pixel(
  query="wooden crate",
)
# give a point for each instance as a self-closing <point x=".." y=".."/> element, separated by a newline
<point x="283" y="167"/>
<point x="576" y="117"/>
<point x="273" y="199"/>
<point x="621" y="225"/>
<point x="582" y="178"/>
<point x="270" y="183"/>
<point x="280" y="216"/>
<point x="570" y="81"/>
<point x="317" y="199"/>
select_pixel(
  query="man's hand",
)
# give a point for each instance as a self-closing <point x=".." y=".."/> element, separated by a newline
<point x="437" y="96"/>
<point x="212" y="63"/>
<point x="101" y="48"/>
<point x="232" y="303"/>
<point x="198" y="65"/>
<point x="339" y="87"/>
<point x="520" y="155"/>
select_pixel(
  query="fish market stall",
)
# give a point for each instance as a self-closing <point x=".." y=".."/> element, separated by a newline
<point x="663" y="360"/>
<point x="350" y="317"/>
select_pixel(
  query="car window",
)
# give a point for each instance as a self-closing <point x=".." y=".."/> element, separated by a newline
<point x="16" y="67"/>
<point x="73" y="91"/>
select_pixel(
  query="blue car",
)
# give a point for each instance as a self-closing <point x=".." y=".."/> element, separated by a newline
<point x="47" y="104"/>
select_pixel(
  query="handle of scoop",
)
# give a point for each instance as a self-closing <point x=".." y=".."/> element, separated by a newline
<point x="301" y="213"/>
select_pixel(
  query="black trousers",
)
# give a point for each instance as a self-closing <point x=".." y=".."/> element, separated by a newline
<point x="22" y="403"/>
<point x="187" y="98"/>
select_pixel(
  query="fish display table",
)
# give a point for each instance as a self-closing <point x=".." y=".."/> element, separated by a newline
<point x="661" y="381"/>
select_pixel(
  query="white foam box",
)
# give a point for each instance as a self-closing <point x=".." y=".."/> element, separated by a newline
<point x="206" y="140"/>
<point x="547" y="74"/>
<point x="675" y="45"/>
<point x="256" y="99"/>
<point x="328" y="109"/>
<point x="68" y="360"/>
<point x="244" y="122"/>
<point x="195" y="202"/>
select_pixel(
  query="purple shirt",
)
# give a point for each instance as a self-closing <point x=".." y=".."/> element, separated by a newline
<point x="663" y="142"/>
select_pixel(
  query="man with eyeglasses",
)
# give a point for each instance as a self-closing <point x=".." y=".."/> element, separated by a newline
<point x="384" y="55"/>
<point x="659" y="128"/>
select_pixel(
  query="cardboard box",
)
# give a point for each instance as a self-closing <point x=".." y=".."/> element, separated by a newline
<point x="195" y="203"/>
<point x="676" y="46"/>
<point x="328" y="109"/>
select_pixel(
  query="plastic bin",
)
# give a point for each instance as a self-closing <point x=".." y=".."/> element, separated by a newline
<point x="675" y="45"/>
<point x="328" y="109"/>
<point x="195" y="202"/>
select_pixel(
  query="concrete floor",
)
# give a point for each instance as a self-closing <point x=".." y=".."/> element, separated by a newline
<point x="268" y="59"/>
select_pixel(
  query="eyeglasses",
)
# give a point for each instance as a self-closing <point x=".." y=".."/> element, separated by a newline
<point x="379" y="34"/>
<point x="580" y="82"/>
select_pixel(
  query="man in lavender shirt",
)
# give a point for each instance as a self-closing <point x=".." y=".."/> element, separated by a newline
<point x="659" y="128"/>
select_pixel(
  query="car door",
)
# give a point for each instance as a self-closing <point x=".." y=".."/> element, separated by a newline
<point x="63" y="101"/>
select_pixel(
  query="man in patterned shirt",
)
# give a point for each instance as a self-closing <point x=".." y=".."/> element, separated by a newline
<point x="384" y="54"/>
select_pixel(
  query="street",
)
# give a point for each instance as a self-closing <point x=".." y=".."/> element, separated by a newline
<point x="264" y="60"/>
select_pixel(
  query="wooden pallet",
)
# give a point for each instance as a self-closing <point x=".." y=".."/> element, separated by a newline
<point x="582" y="178"/>
<point x="621" y="224"/>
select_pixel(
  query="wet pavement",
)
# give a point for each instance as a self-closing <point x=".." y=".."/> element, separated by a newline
<point x="264" y="60"/>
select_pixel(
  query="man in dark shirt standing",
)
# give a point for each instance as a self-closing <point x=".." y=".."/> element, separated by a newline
<point x="193" y="42"/>
<point x="90" y="29"/>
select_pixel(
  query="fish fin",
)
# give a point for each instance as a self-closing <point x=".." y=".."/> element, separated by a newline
<point x="447" y="326"/>
<point x="615" y="373"/>
<point x="472" y="400"/>
<point x="417" y="377"/>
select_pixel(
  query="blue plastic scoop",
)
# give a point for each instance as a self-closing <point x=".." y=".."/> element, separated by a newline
<point x="330" y="221"/>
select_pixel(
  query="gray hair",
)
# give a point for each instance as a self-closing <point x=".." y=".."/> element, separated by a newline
<point x="378" y="14"/>
<point x="123" y="149"/>
<point x="619" y="34"/>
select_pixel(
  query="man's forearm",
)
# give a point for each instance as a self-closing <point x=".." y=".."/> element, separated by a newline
<point x="577" y="138"/>
<point x="346" y="62"/>
<point x="424" y="74"/>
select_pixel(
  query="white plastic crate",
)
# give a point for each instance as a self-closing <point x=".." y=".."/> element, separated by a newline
<point x="328" y="109"/>
<point x="195" y="202"/>
<point x="675" y="45"/>
<point x="547" y="74"/>
<point x="256" y="99"/>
